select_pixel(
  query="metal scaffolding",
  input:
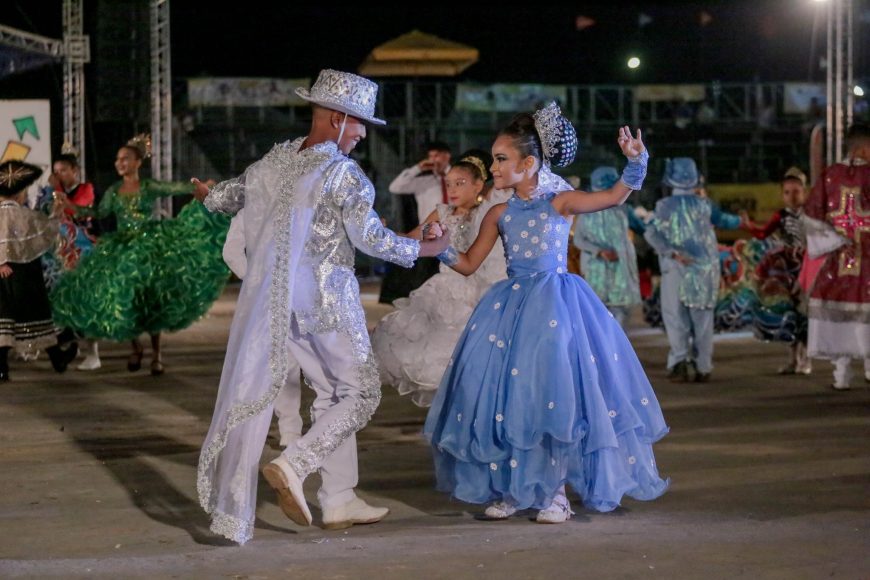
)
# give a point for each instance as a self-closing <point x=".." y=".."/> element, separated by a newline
<point x="31" y="42"/>
<point x="839" y="67"/>
<point x="76" y="52"/>
<point x="161" y="100"/>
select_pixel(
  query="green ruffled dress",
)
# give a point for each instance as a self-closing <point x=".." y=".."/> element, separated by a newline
<point x="149" y="276"/>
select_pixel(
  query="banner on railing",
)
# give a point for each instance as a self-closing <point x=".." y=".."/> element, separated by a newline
<point x="761" y="200"/>
<point x="798" y="97"/>
<point x="245" y="92"/>
<point x="659" y="93"/>
<point x="507" y="97"/>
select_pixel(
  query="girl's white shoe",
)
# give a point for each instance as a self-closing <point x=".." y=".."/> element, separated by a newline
<point x="91" y="363"/>
<point x="92" y="360"/>
<point x="500" y="510"/>
<point x="558" y="512"/>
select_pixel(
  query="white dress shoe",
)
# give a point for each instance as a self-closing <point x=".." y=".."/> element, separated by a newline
<point x="500" y="510"/>
<point x="558" y="512"/>
<point x="288" y="486"/>
<point x="356" y="511"/>
<point x="91" y="363"/>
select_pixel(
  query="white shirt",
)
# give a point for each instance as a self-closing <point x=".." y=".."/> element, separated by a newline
<point x="234" y="247"/>
<point x="426" y="188"/>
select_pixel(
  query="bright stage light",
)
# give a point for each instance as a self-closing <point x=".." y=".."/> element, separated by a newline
<point x="858" y="91"/>
<point x="633" y="62"/>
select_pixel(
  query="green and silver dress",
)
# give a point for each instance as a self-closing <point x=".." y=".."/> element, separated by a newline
<point x="149" y="276"/>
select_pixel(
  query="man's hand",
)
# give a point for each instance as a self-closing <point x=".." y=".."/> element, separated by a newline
<point x="431" y="248"/>
<point x="200" y="189"/>
<point x="5" y="271"/>
<point x="609" y="255"/>
<point x="426" y="165"/>
<point x="432" y="231"/>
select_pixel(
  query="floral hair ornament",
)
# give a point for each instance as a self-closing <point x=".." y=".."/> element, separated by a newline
<point x="68" y="149"/>
<point x="142" y="144"/>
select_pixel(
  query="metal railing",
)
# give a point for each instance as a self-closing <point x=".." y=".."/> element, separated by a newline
<point x="747" y="135"/>
<point x="592" y="105"/>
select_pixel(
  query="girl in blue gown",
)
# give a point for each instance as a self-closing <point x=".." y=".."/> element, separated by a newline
<point x="544" y="388"/>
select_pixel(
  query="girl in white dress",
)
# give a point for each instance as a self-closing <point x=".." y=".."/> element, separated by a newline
<point x="414" y="343"/>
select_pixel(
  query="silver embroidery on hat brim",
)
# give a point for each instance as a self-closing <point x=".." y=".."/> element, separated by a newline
<point x="344" y="92"/>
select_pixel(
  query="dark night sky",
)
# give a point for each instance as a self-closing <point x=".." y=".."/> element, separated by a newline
<point x="765" y="39"/>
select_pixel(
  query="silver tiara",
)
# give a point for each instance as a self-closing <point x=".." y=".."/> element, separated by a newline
<point x="548" y="123"/>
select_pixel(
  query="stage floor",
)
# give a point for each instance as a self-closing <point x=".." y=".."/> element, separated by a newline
<point x="770" y="479"/>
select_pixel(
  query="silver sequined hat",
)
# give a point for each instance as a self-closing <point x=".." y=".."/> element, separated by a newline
<point x="344" y="92"/>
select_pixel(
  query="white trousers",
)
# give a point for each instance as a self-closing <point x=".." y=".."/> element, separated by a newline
<point x="332" y="371"/>
<point x="689" y="330"/>
<point x="287" y="406"/>
<point x="843" y="370"/>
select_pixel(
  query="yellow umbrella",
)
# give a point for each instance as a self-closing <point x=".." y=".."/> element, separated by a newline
<point x="418" y="54"/>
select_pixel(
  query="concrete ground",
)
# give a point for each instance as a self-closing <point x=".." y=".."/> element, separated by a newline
<point x="770" y="479"/>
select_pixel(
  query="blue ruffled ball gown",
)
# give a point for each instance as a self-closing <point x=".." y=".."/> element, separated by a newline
<point x="544" y="389"/>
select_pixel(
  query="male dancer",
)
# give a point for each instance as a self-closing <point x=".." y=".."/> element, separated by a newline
<point x="307" y="206"/>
